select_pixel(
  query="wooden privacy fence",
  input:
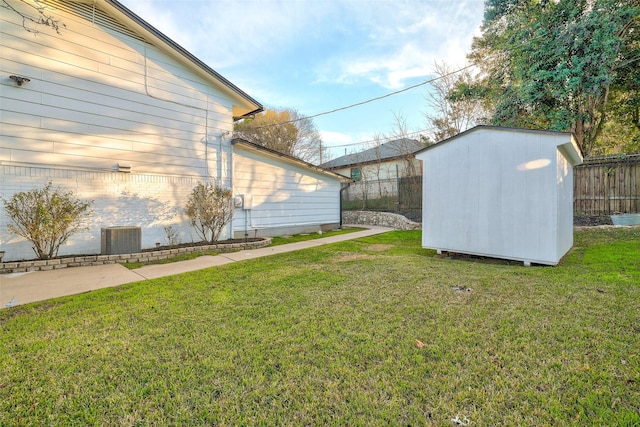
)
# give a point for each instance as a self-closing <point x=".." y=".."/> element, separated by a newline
<point x="601" y="186"/>
<point x="607" y="185"/>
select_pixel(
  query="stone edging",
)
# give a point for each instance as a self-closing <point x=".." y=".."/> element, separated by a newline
<point x="91" y="260"/>
<point x="384" y="219"/>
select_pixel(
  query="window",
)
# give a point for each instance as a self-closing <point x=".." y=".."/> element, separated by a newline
<point x="356" y="174"/>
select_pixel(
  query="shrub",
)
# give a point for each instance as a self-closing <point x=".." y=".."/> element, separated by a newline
<point x="46" y="217"/>
<point x="209" y="209"/>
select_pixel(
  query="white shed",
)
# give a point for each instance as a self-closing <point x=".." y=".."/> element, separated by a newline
<point x="500" y="192"/>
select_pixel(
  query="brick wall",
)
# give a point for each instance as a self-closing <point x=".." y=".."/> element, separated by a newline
<point x="120" y="199"/>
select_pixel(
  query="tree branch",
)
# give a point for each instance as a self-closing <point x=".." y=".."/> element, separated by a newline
<point x="41" y="19"/>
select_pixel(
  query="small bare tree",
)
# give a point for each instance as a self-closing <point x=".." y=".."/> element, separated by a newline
<point x="209" y="209"/>
<point x="450" y="113"/>
<point x="405" y="150"/>
<point x="46" y="217"/>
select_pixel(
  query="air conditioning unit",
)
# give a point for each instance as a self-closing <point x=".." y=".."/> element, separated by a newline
<point x="121" y="240"/>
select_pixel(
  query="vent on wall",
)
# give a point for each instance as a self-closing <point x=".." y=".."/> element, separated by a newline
<point x="120" y="240"/>
<point x="93" y="14"/>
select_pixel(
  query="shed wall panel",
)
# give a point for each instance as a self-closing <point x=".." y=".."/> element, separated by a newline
<point x="500" y="193"/>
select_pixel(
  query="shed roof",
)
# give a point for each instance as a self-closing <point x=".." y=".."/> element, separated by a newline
<point x="384" y="152"/>
<point x="570" y="149"/>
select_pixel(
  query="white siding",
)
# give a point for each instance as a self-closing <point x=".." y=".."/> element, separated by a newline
<point x="383" y="170"/>
<point x="286" y="198"/>
<point x="500" y="193"/>
<point x="565" y="203"/>
<point x="151" y="202"/>
<point x="98" y="98"/>
<point x="378" y="180"/>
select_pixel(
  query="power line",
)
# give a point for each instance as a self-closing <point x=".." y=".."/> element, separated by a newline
<point x="357" y="104"/>
<point x="385" y="139"/>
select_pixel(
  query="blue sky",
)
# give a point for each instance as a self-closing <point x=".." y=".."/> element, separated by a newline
<point x="319" y="55"/>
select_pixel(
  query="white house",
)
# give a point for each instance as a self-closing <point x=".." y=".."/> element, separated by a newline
<point x="280" y="194"/>
<point x="377" y="169"/>
<point x="500" y="192"/>
<point x="108" y="107"/>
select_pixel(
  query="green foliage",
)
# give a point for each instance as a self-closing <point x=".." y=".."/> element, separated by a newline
<point x="277" y="241"/>
<point x="46" y="217"/>
<point x="209" y="209"/>
<point x="552" y="64"/>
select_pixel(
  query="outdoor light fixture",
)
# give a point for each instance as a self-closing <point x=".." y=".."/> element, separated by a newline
<point x="124" y="168"/>
<point x="19" y="80"/>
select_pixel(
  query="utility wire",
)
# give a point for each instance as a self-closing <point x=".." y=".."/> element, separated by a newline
<point x="357" y="104"/>
<point x="384" y="139"/>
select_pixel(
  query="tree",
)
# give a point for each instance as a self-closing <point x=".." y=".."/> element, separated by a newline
<point x="284" y="130"/>
<point x="46" y="217"/>
<point x="551" y="64"/>
<point x="454" y="109"/>
<point x="405" y="150"/>
<point x="209" y="209"/>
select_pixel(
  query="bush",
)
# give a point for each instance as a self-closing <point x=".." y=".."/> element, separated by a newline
<point x="46" y="217"/>
<point x="209" y="209"/>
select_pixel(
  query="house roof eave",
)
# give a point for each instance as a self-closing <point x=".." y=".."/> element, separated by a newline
<point x="250" y="146"/>
<point x="247" y="105"/>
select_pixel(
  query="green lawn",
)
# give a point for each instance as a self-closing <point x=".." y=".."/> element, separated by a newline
<point x="371" y="332"/>
<point x="276" y="241"/>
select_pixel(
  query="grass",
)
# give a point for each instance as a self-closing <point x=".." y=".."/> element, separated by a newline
<point x="369" y="332"/>
<point x="275" y="241"/>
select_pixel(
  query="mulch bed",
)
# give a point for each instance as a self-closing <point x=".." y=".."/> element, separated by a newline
<point x="192" y="244"/>
<point x="591" y="220"/>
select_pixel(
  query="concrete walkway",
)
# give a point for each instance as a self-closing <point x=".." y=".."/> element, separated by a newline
<point x="23" y="288"/>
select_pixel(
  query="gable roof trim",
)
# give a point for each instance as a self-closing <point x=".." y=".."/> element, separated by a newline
<point x="496" y="128"/>
<point x="251" y="146"/>
<point x="115" y="9"/>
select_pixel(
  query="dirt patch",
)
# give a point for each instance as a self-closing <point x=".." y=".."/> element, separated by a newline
<point x="350" y="257"/>
<point x="379" y="248"/>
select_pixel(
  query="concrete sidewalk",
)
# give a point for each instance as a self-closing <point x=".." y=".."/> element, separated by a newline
<point x="23" y="288"/>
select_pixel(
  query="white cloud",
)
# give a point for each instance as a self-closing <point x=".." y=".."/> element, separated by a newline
<point x="163" y="20"/>
<point x="386" y="43"/>
<point x="335" y="138"/>
<point x="406" y="43"/>
<point x="228" y="31"/>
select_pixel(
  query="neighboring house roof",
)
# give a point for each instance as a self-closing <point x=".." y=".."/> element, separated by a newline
<point x="265" y="151"/>
<point x="246" y="105"/>
<point x="385" y="152"/>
